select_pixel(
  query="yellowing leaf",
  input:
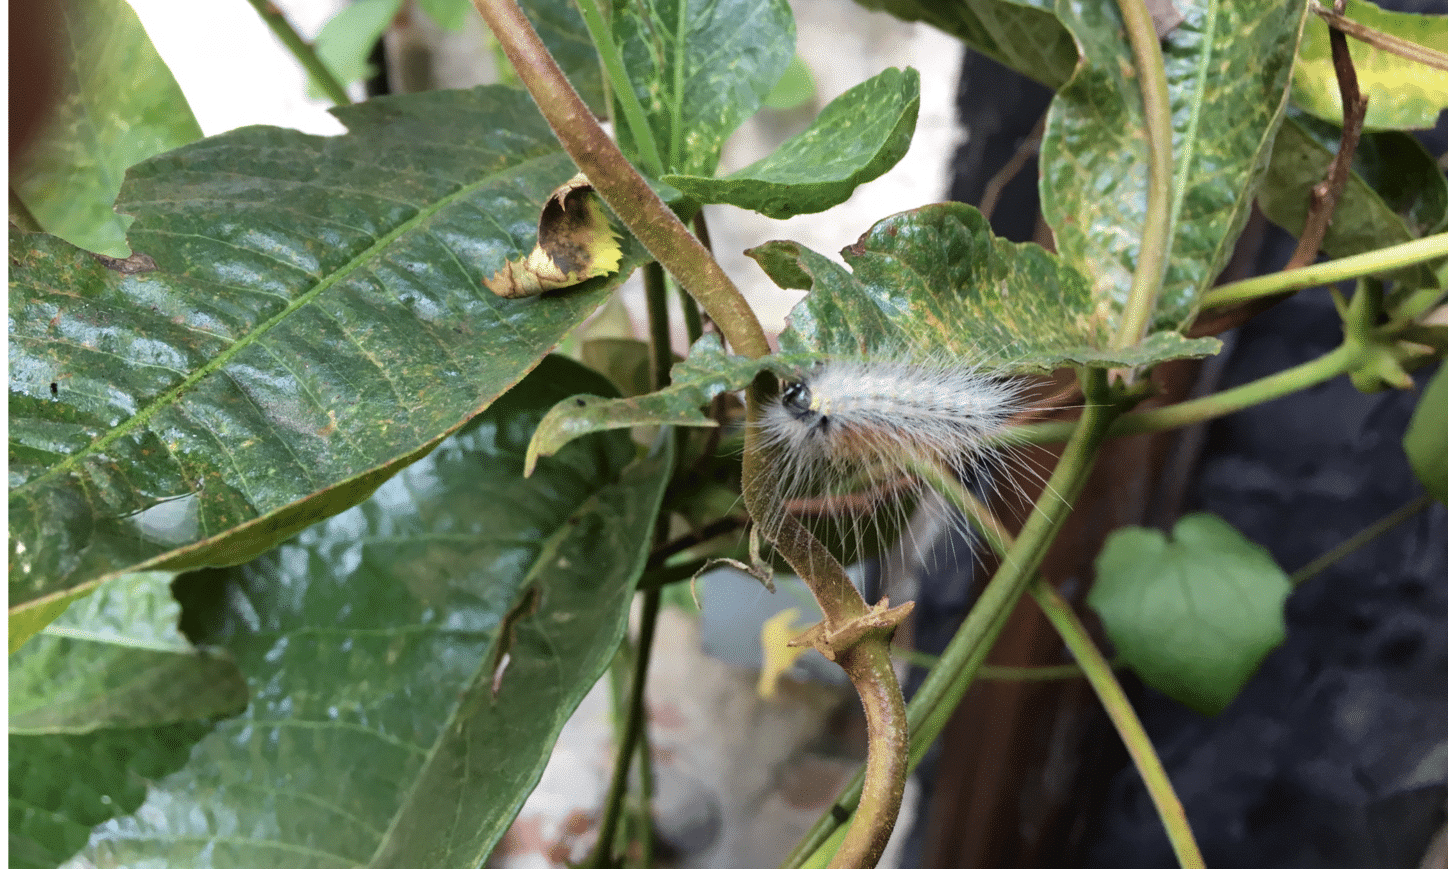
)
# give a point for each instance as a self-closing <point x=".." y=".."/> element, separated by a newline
<point x="575" y="243"/>
<point x="779" y="655"/>
<point x="1402" y="94"/>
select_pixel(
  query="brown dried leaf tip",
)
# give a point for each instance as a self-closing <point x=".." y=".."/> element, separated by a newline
<point x="575" y="242"/>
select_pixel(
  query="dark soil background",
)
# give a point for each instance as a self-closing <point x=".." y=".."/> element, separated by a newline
<point x="1336" y="753"/>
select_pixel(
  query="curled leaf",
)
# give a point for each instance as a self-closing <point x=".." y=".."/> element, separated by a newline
<point x="575" y="242"/>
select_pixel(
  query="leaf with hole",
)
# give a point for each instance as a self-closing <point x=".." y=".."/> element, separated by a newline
<point x="575" y="242"/>
<point x="935" y="282"/>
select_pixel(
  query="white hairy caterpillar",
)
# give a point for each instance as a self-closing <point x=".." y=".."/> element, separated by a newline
<point x="852" y="438"/>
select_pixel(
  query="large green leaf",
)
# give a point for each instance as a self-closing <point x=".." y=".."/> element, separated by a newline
<point x="315" y="321"/>
<point x="1193" y="615"/>
<point x="1025" y="36"/>
<point x="412" y="660"/>
<point x="935" y="282"/>
<point x="108" y="696"/>
<point x="118" y="105"/>
<point x="857" y="138"/>
<point x="701" y="69"/>
<point x="927" y="284"/>
<point x="1227" y="68"/>
<point x="1402" y="93"/>
<point x="1396" y="192"/>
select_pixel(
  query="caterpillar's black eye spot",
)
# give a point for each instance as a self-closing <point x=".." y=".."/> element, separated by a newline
<point x="796" y="398"/>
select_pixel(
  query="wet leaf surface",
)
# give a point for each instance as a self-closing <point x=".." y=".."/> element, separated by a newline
<point x="315" y="322"/>
<point x="412" y="660"/>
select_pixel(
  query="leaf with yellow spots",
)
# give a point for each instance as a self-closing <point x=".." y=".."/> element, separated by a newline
<point x="575" y="242"/>
<point x="1403" y="93"/>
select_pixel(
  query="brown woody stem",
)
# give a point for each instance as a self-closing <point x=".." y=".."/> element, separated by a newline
<point x="620" y="185"/>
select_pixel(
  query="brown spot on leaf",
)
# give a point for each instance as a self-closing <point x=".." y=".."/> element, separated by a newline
<point x="135" y="264"/>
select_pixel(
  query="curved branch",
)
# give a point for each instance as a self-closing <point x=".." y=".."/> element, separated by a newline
<point x="620" y="185"/>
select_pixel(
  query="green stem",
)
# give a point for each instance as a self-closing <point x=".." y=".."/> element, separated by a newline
<point x="947" y="682"/>
<point x="661" y="355"/>
<point x="1361" y="539"/>
<point x="869" y="669"/>
<point x="620" y="185"/>
<point x="680" y="37"/>
<point x="1000" y="672"/>
<point x="601" y="32"/>
<point x="693" y="323"/>
<point x="1156" y="229"/>
<point x="302" y="50"/>
<point x="1204" y="66"/>
<point x="1360" y="265"/>
<point x="1118" y="708"/>
<point x="646" y="800"/>
<point x="613" y="807"/>
<point x="1273" y="386"/>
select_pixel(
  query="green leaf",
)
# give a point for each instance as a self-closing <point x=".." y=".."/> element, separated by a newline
<point x="1410" y="199"/>
<point x="63" y="785"/>
<point x="118" y="104"/>
<point x="449" y="14"/>
<point x="1193" y="615"/>
<point x="1228" y="68"/>
<point x="1425" y="442"/>
<point x="106" y="697"/>
<point x="412" y="660"/>
<point x="694" y="383"/>
<point x="315" y="322"/>
<point x="858" y="137"/>
<point x="1025" y="36"/>
<point x="795" y="88"/>
<point x="347" y="40"/>
<point x="1402" y="94"/>
<point x="115" y="660"/>
<point x="701" y="69"/>
<point x="934" y="282"/>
